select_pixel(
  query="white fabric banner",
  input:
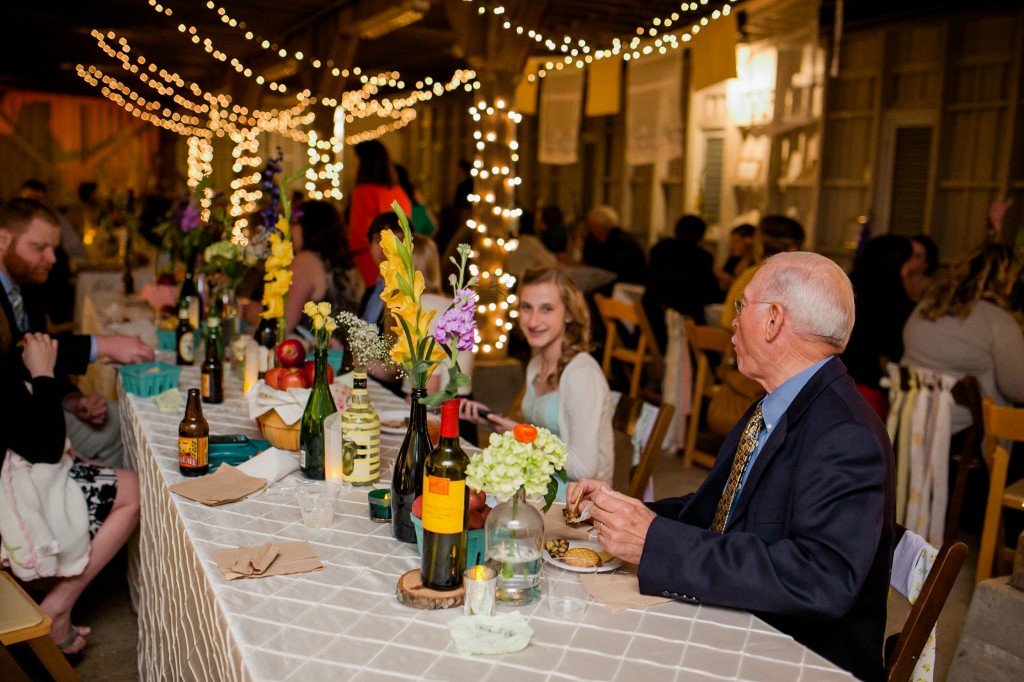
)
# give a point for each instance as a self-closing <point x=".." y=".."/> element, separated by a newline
<point x="561" y="101"/>
<point x="654" y="119"/>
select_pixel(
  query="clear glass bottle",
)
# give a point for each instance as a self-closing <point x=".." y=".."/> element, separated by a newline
<point x="515" y="535"/>
<point x="407" y="481"/>
<point x="445" y="506"/>
<point x="360" y="426"/>
<point x="311" y="427"/>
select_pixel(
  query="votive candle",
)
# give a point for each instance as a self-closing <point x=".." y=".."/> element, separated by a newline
<point x="480" y="583"/>
<point x="252" y="365"/>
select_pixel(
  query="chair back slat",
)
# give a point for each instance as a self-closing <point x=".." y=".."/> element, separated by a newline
<point x="626" y="417"/>
<point x="1001" y="424"/>
<point x="925" y="611"/>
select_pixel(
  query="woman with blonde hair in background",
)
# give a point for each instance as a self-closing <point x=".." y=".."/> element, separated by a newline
<point x="566" y="391"/>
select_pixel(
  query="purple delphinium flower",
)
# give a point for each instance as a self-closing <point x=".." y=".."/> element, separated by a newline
<point x="269" y="186"/>
<point x="190" y="217"/>
<point x="458" y="320"/>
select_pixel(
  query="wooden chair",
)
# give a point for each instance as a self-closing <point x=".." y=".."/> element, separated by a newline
<point x="1000" y="423"/>
<point x="903" y="650"/>
<point x="614" y="311"/>
<point x="629" y="415"/>
<point x="21" y="620"/>
<point x="703" y="339"/>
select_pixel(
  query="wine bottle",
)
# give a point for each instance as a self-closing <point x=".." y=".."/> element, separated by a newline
<point x="190" y="294"/>
<point x="311" y="427"/>
<point x="407" y="480"/>
<point x="184" y="337"/>
<point x="445" y="506"/>
<point x="212" y="369"/>
<point x="193" y="438"/>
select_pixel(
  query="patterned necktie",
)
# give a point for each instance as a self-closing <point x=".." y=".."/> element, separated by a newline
<point x="18" y="305"/>
<point x="748" y="442"/>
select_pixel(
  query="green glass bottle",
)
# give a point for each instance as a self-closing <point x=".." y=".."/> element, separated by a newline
<point x="407" y="480"/>
<point x="445" y="506"/>
<point x="311" y="428"/>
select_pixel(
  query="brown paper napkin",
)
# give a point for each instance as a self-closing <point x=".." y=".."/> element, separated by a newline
<point x="556" y="527"/>
<point x="226" y="484"/>
<point x="618" y="592"/>
<point x="268" y="559"/>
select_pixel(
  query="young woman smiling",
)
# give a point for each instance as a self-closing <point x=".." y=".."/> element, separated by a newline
<point x="566" y="391"/>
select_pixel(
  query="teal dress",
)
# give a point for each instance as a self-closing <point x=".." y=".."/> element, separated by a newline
<point x="543" y="412"/>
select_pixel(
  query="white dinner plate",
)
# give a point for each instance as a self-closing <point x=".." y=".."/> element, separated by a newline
<point x="396" y="416"/>
<point x="603" y="568"/>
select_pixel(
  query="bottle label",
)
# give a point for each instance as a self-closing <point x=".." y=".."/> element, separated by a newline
<point x="444" y="504"/>
<point x="193" y="452"/>
<point x="186" y="347"/>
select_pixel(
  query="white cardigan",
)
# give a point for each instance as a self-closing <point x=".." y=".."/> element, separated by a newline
<point x="584" y="417"/>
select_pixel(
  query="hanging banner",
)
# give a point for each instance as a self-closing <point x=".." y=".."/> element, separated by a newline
<point x="526" y="91"/>
<point x="713" y="52"/>
<point x="561" y="102"/>
<point x="604" y="87"/>
<point x="654" y="118"/>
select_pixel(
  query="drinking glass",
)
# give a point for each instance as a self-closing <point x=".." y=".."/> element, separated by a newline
<point x="316" y="502"/>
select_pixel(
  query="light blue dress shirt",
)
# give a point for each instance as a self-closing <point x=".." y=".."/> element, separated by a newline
<point x="773" y="406"/>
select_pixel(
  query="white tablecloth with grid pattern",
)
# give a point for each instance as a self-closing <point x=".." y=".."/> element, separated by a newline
<point x="344" y="622"/>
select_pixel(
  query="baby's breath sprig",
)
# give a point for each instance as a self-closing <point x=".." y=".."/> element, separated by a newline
<point x="364" y="340"/>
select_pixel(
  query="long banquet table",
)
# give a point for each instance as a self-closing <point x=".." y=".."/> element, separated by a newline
<point x="344" y="622"/>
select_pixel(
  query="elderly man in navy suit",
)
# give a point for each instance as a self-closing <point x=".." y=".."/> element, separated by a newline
<point x="795" y="520"/>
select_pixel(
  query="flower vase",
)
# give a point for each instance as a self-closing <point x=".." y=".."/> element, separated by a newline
<point x="407" y="480"/>
<point x="515" y="535"/>
<point x="311" y="427"/>
<point x="360" y="426"/>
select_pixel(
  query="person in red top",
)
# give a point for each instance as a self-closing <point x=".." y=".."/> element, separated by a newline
<point x="376" y="188"/>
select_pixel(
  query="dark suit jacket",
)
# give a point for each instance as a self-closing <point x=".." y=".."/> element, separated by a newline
<point x="72" y="350"/>
<point x="808" y="547"/>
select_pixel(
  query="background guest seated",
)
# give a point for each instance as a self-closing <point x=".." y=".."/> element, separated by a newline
<point x="566" y="391"/>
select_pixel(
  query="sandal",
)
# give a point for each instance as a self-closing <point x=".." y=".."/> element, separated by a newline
<point x="67" y="642"/>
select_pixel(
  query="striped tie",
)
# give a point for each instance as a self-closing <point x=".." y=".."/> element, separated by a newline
<point x="748" y="443"/>
<point x="18" y="305"/>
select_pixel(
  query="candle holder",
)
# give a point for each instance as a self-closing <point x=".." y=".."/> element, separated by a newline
<point x="480" y="583"/>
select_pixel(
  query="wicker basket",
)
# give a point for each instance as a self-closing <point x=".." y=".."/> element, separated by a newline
<point x="279" y="434"/>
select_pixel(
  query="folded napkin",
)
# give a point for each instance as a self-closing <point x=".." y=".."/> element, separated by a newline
<point x="226" y="484"/>
<point x="499" y="634"/>
<point x="556" y="527"/>
<point x="618" y="592"/>
<point x="267" y="559"/>
<point x="290" y="403"/>
<point x="273" y="464"/>
<point x="169" y="401"/>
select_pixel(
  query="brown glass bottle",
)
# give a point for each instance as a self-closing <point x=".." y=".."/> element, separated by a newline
<point x="212" y="369"/>
<point x="193" y="438"/>
<point x="184" y="337"/>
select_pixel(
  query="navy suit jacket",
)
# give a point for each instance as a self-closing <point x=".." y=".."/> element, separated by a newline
<point x="808" y="546"/>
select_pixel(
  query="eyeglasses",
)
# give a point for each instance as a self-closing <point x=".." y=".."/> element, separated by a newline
<point x="740" y="305"/>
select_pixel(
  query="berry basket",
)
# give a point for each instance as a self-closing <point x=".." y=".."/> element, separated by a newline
<point x="166" y="339"/>
<point x="149" y="378"/>
<point x="476" y="543"/>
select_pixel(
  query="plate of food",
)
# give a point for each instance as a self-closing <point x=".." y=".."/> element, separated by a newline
<point x="579" y="557"/>
<point x="394" y="421"/>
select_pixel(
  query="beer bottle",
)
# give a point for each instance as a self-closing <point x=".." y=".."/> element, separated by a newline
<point x="193" y="438"/>
<point x="445" y="506"/>
<point x="184" y="337"/>
<point x="212" y="369"/>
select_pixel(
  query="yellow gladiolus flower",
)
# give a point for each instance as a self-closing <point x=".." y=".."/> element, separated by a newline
<point x="283" y="225"/>
<point x="274" y="307"/>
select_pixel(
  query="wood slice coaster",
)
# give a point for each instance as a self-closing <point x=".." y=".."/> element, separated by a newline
<point x="412" y="592"/>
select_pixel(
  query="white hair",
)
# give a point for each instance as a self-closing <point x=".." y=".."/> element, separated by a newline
<point x="816" y="294"/>
<point x="604" y="215"/>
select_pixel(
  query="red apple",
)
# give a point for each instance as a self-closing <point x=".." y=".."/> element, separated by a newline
<point x="417" y="507"/>
<point x="309" y="370"/>
<point x="476" y="520"/>
<point x="477" y="500"/>
<point x="292" y="377"/>
<point x="273" y="377"/>
<point x="291" y="353"/>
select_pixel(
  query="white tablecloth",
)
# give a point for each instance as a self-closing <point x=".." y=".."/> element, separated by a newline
<point x="344" y="622"/>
